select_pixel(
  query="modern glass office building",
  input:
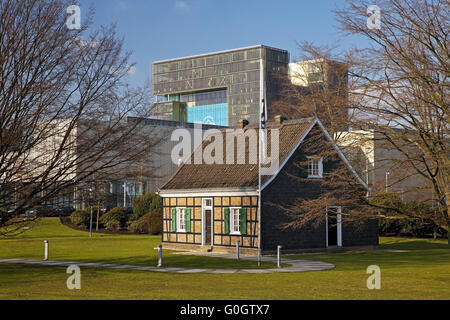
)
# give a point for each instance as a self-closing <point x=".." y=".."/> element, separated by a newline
<point x="218" y="88"/>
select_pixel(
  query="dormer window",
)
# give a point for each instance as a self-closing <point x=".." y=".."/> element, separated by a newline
<point x="315" y="167"/>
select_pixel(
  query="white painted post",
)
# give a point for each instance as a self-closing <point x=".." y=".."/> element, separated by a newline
<point x="46" y="250"/>
<point x="237" y="249"/>
<point x="159" y="248"/>
<point x="279" y="256"/>
<point x="386" y="182"/>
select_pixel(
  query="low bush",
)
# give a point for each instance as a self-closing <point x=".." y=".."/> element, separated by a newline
<point x="115" y="218"/>
<point x="139" y="226"/>
<point x="81" y="218"/>
<point x="113" y="225"/>
<point x="155" y="219"/>
<point x="150" y="223"/>
<point x="146" y="203"/>
<point x="411" y="219"/>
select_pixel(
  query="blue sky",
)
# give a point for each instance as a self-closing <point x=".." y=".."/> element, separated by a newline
<point x="163" y="29"/>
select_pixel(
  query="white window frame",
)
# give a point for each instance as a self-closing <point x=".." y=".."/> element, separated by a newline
<point x="319" y="167"/>
<point x="179" y="210"/>
<point x="232" y="221"/>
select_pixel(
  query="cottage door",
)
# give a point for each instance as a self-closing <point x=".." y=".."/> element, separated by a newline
<point x="334" y="226"/>
<point x="207" y="212"/>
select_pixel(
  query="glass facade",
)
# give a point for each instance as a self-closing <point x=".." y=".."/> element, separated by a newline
<point x="120" y="191"/>
<point x="228" y="79"/>
<point x="204" y="98"/>
<point x="215" y="114"/>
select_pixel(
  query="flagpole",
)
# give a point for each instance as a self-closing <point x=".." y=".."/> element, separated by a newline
<point x="261" y="93"/>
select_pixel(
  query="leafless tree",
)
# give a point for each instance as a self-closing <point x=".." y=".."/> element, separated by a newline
<point x="403" y="80"/>
<point x="64" y="107"/>
<point x="316" y="86"/>
<point x="399" y="91"/>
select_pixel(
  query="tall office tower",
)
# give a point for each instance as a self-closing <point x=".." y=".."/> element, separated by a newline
<point x="218" y="88"/>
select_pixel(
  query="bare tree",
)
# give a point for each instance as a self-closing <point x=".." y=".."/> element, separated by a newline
<point x="399" y="93"/>
<point x="316" y="86"/>
<point x="64" y="107"/>
<point x="403" y="87"/>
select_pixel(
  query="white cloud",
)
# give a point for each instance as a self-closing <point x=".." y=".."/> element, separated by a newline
<point x="181" y="5"/>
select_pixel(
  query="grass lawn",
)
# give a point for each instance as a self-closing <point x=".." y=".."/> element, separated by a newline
<point x="73" y="245"/>
<point x="422" y="272"/>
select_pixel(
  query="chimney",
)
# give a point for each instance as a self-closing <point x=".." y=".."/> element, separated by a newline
<point x="243" y="123"/>
<point x="279" y="119"/>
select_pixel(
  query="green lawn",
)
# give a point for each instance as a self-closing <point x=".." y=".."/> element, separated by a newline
<point x="72" y="245"/>
<point x="423" y="272"/>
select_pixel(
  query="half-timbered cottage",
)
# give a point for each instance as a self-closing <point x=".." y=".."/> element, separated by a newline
<point x="211" y="201"/>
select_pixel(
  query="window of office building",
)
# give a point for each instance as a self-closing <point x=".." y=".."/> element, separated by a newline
<point x="216" y="114"/>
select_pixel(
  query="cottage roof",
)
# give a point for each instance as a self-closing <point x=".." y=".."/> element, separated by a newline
<point x="235" y="175"/>
<point x="243" y="177"/>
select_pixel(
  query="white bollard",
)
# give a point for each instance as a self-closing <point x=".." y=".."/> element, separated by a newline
<point x="159" y="248"/>
<point x="237" y="249"/>
<point x="279" y="256"/>
<point x="46" y="250"/>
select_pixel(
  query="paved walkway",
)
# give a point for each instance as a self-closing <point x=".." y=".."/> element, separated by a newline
<point x="296" y="265"/>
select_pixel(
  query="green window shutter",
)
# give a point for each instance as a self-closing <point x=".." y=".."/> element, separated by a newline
<point x="174" y="220"/>
<point x="243" y="220"/>
<point x="188" y="220"/>
<point x="227" y="220"/>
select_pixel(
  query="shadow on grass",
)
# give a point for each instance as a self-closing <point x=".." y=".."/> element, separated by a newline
<point x="412" y="244"/>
